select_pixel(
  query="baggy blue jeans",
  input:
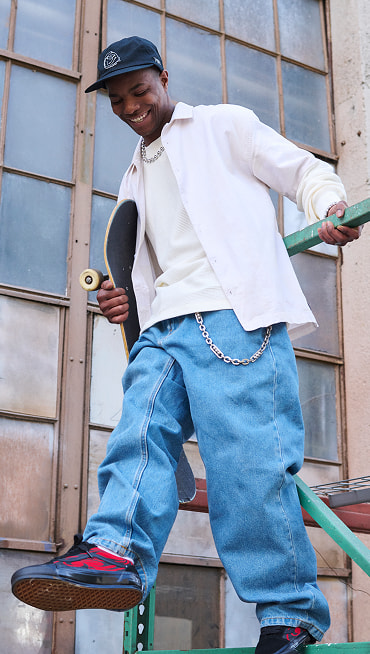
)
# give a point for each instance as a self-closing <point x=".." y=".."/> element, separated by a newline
<point x="249" y="428"/>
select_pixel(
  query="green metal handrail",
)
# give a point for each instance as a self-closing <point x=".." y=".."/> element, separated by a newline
<point x="333" y="525"/>
<point x="306" y="238"/>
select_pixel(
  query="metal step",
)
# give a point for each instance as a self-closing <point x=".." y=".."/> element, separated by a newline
<point x="345" y="492"/>
<point x="319" y="648"/>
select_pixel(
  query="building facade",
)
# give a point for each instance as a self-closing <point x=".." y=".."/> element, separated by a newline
<point x="303" y="67"/>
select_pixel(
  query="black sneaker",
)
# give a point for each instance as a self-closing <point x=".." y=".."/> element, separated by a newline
<point x="283" y="640"/>
<point x="84" y="578"/>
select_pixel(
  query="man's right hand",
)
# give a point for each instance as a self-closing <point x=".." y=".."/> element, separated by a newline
<point x="113" y="303"/>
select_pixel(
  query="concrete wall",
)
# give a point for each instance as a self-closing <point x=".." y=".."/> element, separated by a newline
<point x="350" y="29"/>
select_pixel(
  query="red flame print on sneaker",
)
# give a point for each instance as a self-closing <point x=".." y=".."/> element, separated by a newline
<point x="293" y="633"/>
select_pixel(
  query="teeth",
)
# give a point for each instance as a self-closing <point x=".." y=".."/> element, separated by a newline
<point x="139" y="119"/>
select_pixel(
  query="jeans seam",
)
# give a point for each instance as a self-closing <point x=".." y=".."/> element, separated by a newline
<point x="283" y="471"/>
<point x="144" y="449"/>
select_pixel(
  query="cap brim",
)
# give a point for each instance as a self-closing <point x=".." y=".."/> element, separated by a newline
<point x="100" y="84"/>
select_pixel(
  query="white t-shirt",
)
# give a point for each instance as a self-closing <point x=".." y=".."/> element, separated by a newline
<point x="187" y="283"/>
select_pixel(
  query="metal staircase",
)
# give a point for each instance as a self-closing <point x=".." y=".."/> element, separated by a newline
<point x="139" y="622"/>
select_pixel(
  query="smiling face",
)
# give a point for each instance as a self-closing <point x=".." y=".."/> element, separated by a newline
<point x="140" y="99"/>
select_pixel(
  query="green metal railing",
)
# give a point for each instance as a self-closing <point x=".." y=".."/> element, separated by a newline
<point x="333" y="526"/>
<point x="139" y="622"/>
<point x="306" y="238"/>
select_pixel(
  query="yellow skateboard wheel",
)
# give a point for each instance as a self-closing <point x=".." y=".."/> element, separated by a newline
<point x="91" y="279"/>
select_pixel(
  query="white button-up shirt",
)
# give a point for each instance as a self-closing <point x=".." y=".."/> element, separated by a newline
<point x="225" y="160"/>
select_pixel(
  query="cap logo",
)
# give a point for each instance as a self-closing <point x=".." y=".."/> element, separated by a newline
<point x="157" y="61"/>
<point x="111" y="59"/>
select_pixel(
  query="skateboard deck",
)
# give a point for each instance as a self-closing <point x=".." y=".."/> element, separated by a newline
<point x="119" y="252"/>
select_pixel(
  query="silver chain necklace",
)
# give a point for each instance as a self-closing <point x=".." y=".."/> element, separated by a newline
<point x="224" y="357"/>
<point x="151" y="159"/>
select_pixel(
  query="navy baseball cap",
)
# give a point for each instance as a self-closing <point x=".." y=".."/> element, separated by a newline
<point x="124" y="56"/>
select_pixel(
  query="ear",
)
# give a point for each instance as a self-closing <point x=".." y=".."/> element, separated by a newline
<point x="164" y="79"/>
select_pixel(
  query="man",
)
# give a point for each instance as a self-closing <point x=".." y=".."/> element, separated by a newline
<point x="209" y="262"/>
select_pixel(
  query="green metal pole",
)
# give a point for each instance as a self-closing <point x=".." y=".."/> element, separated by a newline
<point x="306" y="238"/>
<point x="333" y="526"/>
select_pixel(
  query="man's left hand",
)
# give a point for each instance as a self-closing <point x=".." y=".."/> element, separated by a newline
<point x="340" y="235"/>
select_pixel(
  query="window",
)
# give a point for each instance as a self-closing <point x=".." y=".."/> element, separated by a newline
<point x="63" y="154"/>
<point x="187" y="607"/>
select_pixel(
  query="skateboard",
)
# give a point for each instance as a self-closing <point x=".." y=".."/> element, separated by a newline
<point x="119" y="252"/>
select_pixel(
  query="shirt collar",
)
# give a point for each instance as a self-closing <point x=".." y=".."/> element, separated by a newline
<point x="181" y="112"/>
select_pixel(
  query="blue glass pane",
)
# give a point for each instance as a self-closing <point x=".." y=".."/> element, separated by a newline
<point x="204" y="12"/>
<point x="125" y="19"/>
<point x="317" y="391"/>
<point x="194" y="64"/>
<point x="301" y="31"/>
<point x="305" y="106"/>
<point x="318" y="279"/>
<point x="2" y="75"/>
<point x="251" y="82"/>
<point x="40" y="139"/>
<point x="4" y="22"/>
<point x="100" y="213"/>
<point x="253" y="23"/>
<point x="44" y="30"/>
<point x="152" y="3"/>
<point x="114" y="146"/>
<point x="34" y="228"/>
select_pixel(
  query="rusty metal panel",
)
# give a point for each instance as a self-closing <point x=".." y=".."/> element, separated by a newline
<point x="29" y="337"/>
<point x="22" y="628"/>
<point x="26" y="452"/>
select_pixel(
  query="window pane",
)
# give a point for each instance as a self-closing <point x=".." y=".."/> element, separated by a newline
<point x="114" y="146"/>
<point x="317" y="391"/>
<point x="318" y="279"/>
<point x="204" y="12"/>
<point x="101" y="211"/>
<point x="40" y="139"/>
<point x="108" y="364"/>
<point x="242" y="628"/>
<point x="300" y="31"/>
<point x="22" y="628"/>
<point x="2" y="76"/>
<point x="26" y="452"/>
<point x="97" y="449"/>
<point x="251" y="23"/>
<point x="99" y="631"/>
<point x="44" y="30"/>
<point x="305" y="106"/>
<point x="4" y="22"/>
<point x="251" y="82"/>
<point x="34" y="226"/>
<point x="152" y="3"/>
<point x="32" y="330"/>
<point x="125" y="19"/>
<point x="187" y="607"/>
<point x="314" y="473"/>
<point x="194" y="64"/>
